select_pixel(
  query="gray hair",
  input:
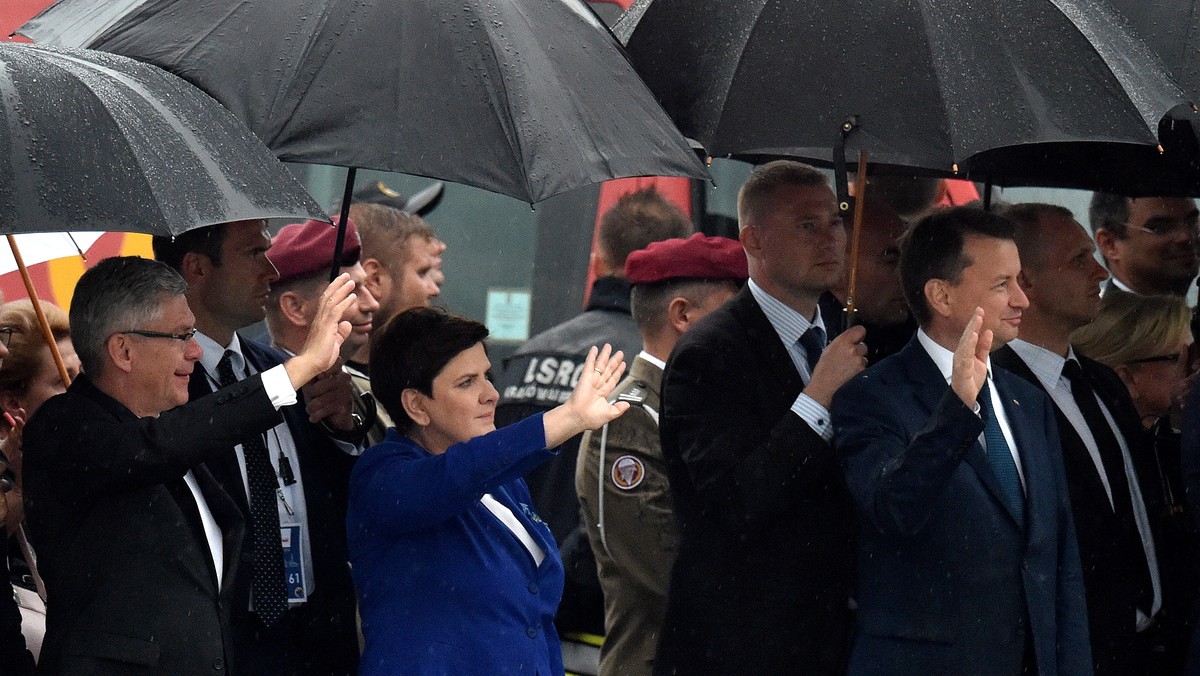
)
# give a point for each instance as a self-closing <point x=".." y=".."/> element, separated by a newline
<point x="120" y="293"/>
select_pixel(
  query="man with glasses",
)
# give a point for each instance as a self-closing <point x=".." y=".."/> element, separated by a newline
<point x="1148" y="243"/>
<point x="137" y="543"/>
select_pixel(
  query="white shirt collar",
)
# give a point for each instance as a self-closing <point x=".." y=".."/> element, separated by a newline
<point x="943" y="358"/>
<point x="213" y="352"/>
<point x="1047" y="365"/>
<point x="788" y="323"/>
<point x="1121" y="285"/>
<point x="644" y="355"/>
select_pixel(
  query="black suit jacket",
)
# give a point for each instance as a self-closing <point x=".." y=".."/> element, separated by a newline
<point x="766" y="556"/>
<point x="130" y="577"/>
<point x="326" y="640"/>
<point x="1110" y="548"/>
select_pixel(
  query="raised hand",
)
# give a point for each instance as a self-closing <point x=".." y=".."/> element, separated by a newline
<point x="588" y="407"/>
<point x="970" y="360"/>
<point x="326" y="333"/>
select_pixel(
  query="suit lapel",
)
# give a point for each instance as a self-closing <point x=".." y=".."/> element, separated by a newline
<point x="760" y="334"/>
<point x="1074" y="452"/>
<point x="930" y="389"/>
<point x="228" y="518"/>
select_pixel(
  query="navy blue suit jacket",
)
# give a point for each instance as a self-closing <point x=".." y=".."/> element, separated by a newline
<point x="949" y="580"/>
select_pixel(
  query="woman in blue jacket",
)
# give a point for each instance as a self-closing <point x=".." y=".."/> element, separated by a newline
<point x="455" y="571"/>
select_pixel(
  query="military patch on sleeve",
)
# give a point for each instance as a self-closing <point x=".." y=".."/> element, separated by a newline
<point x="628" y="472"/>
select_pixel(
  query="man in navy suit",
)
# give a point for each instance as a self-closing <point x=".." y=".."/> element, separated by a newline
<point x="968" y="562"/>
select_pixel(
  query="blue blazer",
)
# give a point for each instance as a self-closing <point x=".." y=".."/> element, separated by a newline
<point x="949" y="581"/>
<point x="444" y="586"/>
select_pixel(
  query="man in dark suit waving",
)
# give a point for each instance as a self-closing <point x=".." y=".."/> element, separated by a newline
<point x="1098" y="426"/>
<point x="138" y="544"/>
<point x="967" y="556"/>
<point x="294" y="610"/>
<point x="762" y="582"/>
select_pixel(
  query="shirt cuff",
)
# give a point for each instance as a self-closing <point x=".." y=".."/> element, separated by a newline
<point x="278" y="386"/>
<point x="816" y="415"/>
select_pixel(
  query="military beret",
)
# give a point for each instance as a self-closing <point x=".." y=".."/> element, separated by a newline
<point x="304" y="249"/>
<point x="697" y="257"/>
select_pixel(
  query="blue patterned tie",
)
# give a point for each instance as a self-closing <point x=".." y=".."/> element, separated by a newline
<point x="813" y="342"/>
<point x="1000" y="456"/>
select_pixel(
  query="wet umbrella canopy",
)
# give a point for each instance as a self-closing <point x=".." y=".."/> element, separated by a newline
<point x="93" y="141"/>
<point x="1042" y="92"/>
<point x="1172" y="29"/>
<point x="524" y="97"/>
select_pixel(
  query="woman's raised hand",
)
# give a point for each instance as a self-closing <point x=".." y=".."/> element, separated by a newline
<point x="588" y="407"/>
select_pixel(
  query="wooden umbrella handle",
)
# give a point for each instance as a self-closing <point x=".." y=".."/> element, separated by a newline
<point x="37" y="308"/>
<point x="860" y="195"/>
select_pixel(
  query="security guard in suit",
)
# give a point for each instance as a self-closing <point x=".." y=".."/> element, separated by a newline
<point x="621" y="478"/>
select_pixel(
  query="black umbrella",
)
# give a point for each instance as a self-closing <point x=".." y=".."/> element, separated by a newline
<point x="93" y="141"/>
<point x="1172" y="29"/>
<point x="1023" y="92"/>
<point x="523" y="97"/>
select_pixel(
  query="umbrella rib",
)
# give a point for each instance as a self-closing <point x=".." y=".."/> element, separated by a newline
<point x="727" y="85"/>
<point x="1123" y="76"/>
<point x="514" y="145"/>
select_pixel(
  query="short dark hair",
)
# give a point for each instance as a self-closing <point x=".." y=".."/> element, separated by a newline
<point x="411" y="349"/>
<point x="207" y="240"/>
<point x="636" y="221"/>
<point x="387" y="233"/>
<point x="1027" y="219"/>
<point x="649" y="301"/>
<point x="1109" y="212"/>
<point x="769" y="178"/>
<point x="120" y="293"/>
<point x="933" y="249"/>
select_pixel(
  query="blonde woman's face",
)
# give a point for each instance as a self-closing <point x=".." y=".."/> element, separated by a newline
<point x="47" y="382"/>
<point x="1160" y="381"/>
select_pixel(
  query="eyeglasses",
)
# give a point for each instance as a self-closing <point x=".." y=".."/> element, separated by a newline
<point x="1165" y="228"/>
<point x="183" y="337"/>
<point x="1165" y="358"/>
<point x="6" y="335"/>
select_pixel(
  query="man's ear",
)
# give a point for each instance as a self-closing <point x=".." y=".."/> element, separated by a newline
<point x="680" y="315"/>
<point x="1106" y="242"/>
<point x="292" y="306"/>
<point x="751" y="239"/>
<point x="937" y="296"/>
<point x="120" y="351"/>
<point x="376" y="274"/>
<point x="195" y="268"/>
<point x="1024" y="281"/>
<point x="414" y="405"/>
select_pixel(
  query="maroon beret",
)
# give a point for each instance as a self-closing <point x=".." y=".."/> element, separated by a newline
<point x="305" y="249"/>
<point x="697" y="257"/>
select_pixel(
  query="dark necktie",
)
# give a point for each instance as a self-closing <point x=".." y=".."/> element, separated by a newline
<point x="267" y="581"/>
<point x="813" y="342"/>
<point x="1114" y="469"/>
<point x="1000" y="456"/>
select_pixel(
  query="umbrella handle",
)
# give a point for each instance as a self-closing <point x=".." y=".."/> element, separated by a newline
<point x="37" y="308"/>
<point x="341" y="225"/>
<point x="860" y="197"/>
